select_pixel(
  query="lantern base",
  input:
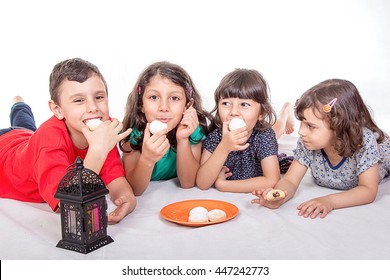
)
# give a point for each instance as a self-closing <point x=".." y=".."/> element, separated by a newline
<point x="87" y="248"/>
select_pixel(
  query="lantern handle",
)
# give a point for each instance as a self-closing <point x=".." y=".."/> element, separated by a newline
<point x="78" y="164"/>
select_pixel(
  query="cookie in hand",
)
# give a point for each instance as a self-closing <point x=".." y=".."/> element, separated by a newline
<point x="275" y="194"/>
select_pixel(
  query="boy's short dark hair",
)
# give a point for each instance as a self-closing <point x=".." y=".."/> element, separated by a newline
<point x="75" y="69"/>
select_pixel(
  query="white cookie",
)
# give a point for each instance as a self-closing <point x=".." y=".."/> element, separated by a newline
<point x="198" y="218"/>
<point x="93" y="124"/>
<point x="198" y="209"/>
<point x="156" y="126"/>
<point x="236" y="123"/>
<point x="216" y="215"/>
<point x="275" y="194"/>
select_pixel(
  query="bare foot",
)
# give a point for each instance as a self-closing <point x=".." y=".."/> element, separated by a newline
<point x="17" y="99"/>
<point x="285" y="122"/>
<point x="290" y="122"/>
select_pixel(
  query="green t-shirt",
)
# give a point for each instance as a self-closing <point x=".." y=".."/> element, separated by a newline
<point x="165" y="168"/>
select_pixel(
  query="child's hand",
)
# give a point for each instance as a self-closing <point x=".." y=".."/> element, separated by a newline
<point x="188" y="124"/>
<point x="261" y="194"/>
<point x="155" y="146"/>
<point x="225" y="173"/>
<point x="124" y="207"/>
<point x="235" y="140"/>
<point x="106" y="135"/>
<point x="314" y="207"/>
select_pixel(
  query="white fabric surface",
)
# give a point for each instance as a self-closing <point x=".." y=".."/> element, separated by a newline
<point x="31" y="231"/>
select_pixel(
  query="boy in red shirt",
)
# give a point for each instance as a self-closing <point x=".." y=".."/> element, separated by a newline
<point x="33" y="161"/>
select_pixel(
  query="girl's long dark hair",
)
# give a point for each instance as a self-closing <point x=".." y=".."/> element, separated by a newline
<point x="135" y="118"/>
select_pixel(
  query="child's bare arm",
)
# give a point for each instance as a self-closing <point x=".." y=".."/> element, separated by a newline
<point x="187" y="162"/>
<point x="271" y="175"/>
<point x="139" y="166"/>
<point x="212" y="163"/>
<point x="138" y="171"/>
<point x="211" y="166"/>
<point x="289" y="184"/>
<point x="123" y="197"/>
<point x="364" y="193"/>
<point x="188" y="156"/>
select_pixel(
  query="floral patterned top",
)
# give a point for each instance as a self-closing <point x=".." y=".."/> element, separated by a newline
<point x="345" y="175"/>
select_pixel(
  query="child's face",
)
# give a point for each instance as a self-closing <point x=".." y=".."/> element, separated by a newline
<point x="315" y="132"/>
<point x="246" y="109"/>
<point x="79" y="102"/>
<point x="165" y="101"/>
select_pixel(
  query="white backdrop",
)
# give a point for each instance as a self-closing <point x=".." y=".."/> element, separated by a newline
<point x="295" y="44"/>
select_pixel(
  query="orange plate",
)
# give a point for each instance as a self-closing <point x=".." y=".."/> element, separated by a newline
<point x="178" y="212"/>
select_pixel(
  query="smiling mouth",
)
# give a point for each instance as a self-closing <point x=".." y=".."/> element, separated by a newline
<point x="87" y="120"/>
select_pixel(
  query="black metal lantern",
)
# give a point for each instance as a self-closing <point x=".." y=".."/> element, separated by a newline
<point x="83" y="206"/>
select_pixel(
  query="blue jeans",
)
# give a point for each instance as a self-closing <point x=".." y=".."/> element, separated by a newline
<point x="21" y="116"/>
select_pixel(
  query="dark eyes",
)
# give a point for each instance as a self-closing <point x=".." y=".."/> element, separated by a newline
<point x="243" y="104"/>
<point x="81" y="100"/>
<point x="173" y="98"/>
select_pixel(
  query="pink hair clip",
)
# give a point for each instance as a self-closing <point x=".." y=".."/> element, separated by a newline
<point x="139" y="90"/>
<point x="328" y="107"/>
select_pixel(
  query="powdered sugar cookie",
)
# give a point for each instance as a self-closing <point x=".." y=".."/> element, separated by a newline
<point x="93" y="124"/>
<point x="216" y="215"/>
<point x="198" y="218"/>
<point x="198" y="209"/>
<point x="156" y="126"/>
<point x="236" y="123"/>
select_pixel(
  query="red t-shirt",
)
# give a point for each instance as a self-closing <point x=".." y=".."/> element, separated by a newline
<point x="33" y="163"/>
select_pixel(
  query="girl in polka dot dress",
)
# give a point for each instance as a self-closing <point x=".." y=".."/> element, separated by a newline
<point x="341" y="144"/>
<point x="242" y="159"/>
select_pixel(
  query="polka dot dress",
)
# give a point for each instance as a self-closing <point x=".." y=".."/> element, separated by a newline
<point x="247" y="164"/>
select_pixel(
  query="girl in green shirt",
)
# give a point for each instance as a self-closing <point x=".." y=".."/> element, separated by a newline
<point x="163" y="92"/>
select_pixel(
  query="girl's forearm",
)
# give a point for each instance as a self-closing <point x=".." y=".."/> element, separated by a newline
<point x="357" y="196"/>
<point x="186" y="164"/>
<point x="287" y="186"/>
<point x="208" y="172"/>
<point x="245" y="186"/>
<point x="139" y="177"/>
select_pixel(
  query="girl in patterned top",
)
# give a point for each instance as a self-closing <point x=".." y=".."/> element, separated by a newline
<point x="164" y="92"/>
<point x="341" y="144"/>
<point x="243" y="159"/>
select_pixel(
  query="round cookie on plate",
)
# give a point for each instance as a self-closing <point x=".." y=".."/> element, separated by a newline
<point x="216" y="215"/>
<point x="198" y="217"/>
